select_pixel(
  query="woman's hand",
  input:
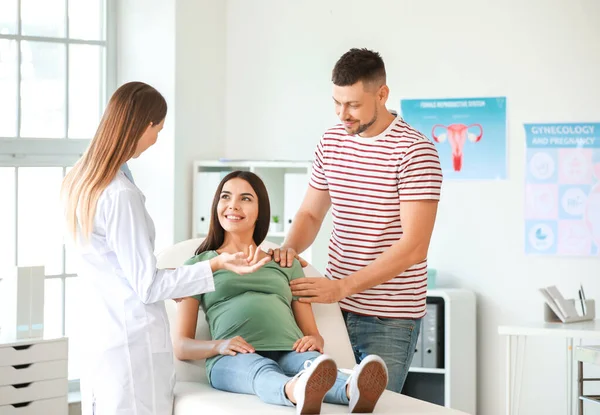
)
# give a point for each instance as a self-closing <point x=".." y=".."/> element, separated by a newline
<point x="309" y="343"/>
<point x="231" y="347"/>
<point x="240" y="263"/>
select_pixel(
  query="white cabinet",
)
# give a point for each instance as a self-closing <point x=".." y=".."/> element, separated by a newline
<point x="286" y="182"/>
<point x="444" y="368"/>
<point x="33" y="377"/>
<point x="294" y="188"/>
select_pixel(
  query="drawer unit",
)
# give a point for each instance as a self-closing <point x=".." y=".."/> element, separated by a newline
<point x="34" y="377"/>
<point x="14" y="375"/>
<point x="23" y="353"/>
<point x="34" y="391"/>
<point x="54" y="406"/>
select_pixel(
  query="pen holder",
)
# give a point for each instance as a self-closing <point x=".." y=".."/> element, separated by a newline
<point x="590" y="306"/>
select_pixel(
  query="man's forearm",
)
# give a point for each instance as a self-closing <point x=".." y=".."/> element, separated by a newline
<point x="392" y="262"/>
<point x="303" y="232"/>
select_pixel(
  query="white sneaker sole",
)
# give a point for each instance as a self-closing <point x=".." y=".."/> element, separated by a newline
<point x="320" y="381"/>
<point x="371" y="383"/>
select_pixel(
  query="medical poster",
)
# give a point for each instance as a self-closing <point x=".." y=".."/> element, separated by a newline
<point x="469" y="133"/>
<point x="562" y="189"/>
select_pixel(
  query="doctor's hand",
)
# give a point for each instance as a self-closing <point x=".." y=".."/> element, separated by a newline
<point x="285" y="256"/>
<point x="240" y="263"/>
<point x="231" y="347"/>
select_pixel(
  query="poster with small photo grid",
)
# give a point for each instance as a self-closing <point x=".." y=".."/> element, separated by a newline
<point x="562" y="189"/>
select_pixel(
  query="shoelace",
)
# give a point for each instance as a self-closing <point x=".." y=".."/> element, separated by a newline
<point x="349" y="372"/>
<point x="307" y="364"/>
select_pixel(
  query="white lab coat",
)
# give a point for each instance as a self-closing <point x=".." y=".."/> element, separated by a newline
<point x="128" y="357"/>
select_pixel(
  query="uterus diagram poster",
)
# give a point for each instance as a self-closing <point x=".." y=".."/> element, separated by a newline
<point x="562" y="189"/>
<point x="469" y="133"/>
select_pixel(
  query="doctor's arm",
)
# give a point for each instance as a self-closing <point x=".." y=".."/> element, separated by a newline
<point x="185" y="345"/>
<point x="128" y="236"/>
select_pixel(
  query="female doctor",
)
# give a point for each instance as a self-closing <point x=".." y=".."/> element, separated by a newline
<point x="127" y="360"/>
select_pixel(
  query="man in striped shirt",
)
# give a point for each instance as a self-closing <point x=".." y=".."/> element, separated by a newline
<point x="382" y="179"/>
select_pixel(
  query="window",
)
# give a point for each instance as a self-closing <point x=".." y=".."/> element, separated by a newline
<point x="55" y="73"/>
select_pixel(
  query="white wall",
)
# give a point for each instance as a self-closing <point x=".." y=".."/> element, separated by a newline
<point x="146" y="52"/>
<point x="279" y="61"/>
<point x="178" y="46"/>
<point x="543" y="55"/>
<point x="199" y="97"/>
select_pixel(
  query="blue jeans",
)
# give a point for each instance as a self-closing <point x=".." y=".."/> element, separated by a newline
<point x="265" y="374"/>
<point x="393" y="339"/>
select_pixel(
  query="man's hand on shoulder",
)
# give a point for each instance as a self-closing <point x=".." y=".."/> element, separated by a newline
<point x="285" y="256"/>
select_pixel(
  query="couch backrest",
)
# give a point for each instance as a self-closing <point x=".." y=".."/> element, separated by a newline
<point x="328" y="316"/>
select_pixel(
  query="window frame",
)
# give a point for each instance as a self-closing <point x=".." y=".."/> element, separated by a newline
<point x="16" y="152"/>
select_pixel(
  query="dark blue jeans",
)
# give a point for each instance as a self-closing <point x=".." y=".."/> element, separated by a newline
<point x="392" y="339"/>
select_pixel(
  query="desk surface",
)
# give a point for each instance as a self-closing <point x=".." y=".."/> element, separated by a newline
<point x="584" y="329"/>
<point x="11" y="341"/>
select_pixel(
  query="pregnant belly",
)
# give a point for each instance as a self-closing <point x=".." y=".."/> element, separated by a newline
<point x="265" y="323"/>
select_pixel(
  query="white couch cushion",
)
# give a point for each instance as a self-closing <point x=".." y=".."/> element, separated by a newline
<point x="195" y="398"/>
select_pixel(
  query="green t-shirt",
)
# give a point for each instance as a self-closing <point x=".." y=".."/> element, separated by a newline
<point x="257" y="306"/>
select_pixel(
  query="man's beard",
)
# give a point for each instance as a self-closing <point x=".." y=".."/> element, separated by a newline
<point x="363" y="127"/>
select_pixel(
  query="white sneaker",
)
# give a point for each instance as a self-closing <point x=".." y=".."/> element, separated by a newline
<point x="313" y="383"/>
<point x="367" y="382"/>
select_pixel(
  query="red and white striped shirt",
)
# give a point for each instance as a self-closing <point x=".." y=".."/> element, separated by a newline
<point x="368" y="179"/>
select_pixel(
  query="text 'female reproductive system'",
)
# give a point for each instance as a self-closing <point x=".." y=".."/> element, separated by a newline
<point x="457" y="135"/>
